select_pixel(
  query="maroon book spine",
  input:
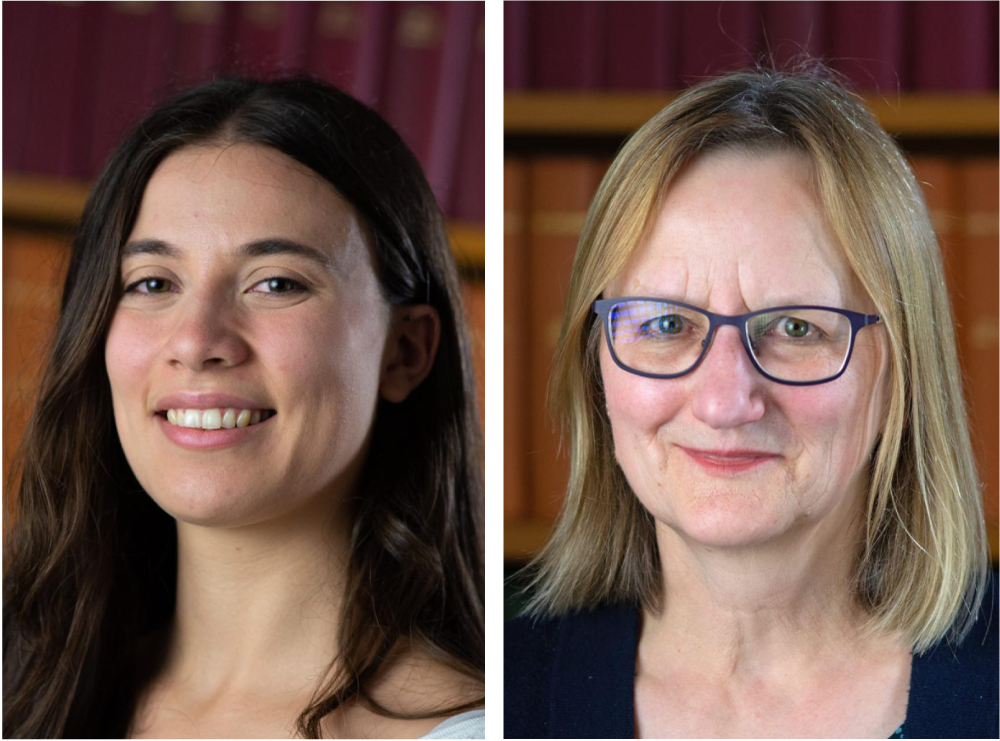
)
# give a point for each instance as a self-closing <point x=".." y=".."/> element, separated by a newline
<point x="133" y="71"/>
<point x="716" y="36"/>
<point x="451" y="104"/>
<point x="21" y="23"/>
<point x="296" y="24"/>
<point x="348" y="47"/>
<point x="469" y="196"/>
<point x="55" y="101"/>
<point x="200" y="42"/>
<point x="425" y="86"/>
<point x="643" y="53"/>
<point x="334" y="47"/>
<point x="370" y="79"/>
<point x="866" y="40"/>
<point x="516" y="37"/>
<point x="952" y="45"/>
<point x="567" y="45"/>
<point x="794" y="29"/>
<point x="256" y="32"/>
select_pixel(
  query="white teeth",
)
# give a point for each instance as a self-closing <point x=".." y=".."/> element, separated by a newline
<point x="211" y="419"/>
<point x="214" y="419"/>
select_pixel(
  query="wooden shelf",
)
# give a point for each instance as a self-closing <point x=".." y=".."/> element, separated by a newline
<point x="58" y="203"/>
<point x="468" y="242"/>
<point x="521" y="540"/>
<point x="573" y="113"/>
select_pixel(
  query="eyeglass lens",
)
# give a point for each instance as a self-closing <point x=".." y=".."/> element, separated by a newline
<point x="665" y="339"/>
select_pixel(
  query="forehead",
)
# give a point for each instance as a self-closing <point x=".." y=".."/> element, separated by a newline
<point x="211" y="196"/>
<point x="737" y="231"/>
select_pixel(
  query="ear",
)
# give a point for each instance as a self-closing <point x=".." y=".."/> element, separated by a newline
<point x="410" y="350"/>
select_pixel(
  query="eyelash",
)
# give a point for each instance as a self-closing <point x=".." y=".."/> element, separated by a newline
<point x="297" y="287"/>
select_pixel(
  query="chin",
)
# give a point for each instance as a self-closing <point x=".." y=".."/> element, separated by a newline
<point x="203" y="503"/>
<point x="725" y="517"/>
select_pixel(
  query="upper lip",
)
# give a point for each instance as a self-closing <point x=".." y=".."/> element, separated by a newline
<point x="731" y="453"/>
<point x="207" y="400"/>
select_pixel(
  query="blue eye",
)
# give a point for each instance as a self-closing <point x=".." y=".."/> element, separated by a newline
<point x="670" y="324"/>
<point x="666" y="325"/>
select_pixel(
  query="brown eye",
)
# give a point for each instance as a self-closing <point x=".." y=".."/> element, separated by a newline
<point x="278" y="285"/>
<point x="157" y="285"/>
<point x="152" y="285"/>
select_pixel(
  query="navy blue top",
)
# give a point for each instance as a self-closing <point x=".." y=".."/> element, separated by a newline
<point x="574" y="677"/>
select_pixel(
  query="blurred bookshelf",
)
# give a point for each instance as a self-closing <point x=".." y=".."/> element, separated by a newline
<point x="54" y="203"/>
<point x="620" y="113"/>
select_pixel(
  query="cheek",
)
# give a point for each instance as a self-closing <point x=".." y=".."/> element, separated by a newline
<point x="637" y="407"/>
<point x="830" y="430"/>
<point x="323" y="362"/>
<point x="128" y="356"/>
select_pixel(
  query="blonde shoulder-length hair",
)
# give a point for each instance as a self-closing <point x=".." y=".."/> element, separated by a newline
<point x="922" y="567"/>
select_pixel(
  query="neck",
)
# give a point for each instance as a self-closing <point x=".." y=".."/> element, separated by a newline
<point x="258" y="606"/>
<point x="768" y="611"/>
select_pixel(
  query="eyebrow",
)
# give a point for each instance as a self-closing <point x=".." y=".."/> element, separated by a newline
<point x="257" y="248"/>
<point x="772" y="301"/>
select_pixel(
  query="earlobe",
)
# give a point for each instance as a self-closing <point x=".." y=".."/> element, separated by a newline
<point x="410" y="350"/>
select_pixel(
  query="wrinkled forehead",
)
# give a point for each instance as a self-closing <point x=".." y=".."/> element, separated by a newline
<point x="740" y="231"/>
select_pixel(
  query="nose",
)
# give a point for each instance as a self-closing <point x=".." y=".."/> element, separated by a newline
<point x="206" y="334"/>
<point x="726" y="388"/>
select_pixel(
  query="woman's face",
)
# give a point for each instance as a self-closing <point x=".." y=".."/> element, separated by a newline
<point x="233" y="305"/>
<point x="738" y="233"/>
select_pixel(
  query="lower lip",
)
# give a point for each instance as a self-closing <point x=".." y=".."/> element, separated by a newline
<point x="716" y="464"/>
<point x="196" y="439"/>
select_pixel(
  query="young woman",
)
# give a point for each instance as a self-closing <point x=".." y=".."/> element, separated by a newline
<point x="250" y="498"/>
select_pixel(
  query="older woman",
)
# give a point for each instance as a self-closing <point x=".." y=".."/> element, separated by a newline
<point x="250" y="494"/>
<point x="773" y="525"/>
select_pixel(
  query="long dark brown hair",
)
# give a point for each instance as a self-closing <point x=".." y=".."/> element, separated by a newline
<point x="91" y="560"/>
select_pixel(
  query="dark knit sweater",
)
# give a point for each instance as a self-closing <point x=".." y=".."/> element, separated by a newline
<point x="574" y="677"/>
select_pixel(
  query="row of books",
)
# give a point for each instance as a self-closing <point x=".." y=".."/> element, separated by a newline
<point x="78" y="75"/>
<point x="33" y="266"/>
<point x="884" y="46"/>
<point x="545" y="201"/>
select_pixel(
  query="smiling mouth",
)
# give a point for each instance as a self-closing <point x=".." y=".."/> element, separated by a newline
<point x="728" y="462"/>
<point x="217" y="418"/>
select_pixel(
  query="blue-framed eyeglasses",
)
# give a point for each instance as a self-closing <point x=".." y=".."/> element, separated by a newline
<point x="794" y="345"/>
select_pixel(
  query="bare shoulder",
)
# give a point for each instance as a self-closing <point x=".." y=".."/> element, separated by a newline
<point x="415" y="684"/>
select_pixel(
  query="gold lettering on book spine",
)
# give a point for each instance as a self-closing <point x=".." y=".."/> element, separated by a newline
<point x="263" y="14"/>
<point x="419" y="27"/>
<point x="197" y="11"/>
<point x="133" y="8"/>
<point x="340" y="20"/>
